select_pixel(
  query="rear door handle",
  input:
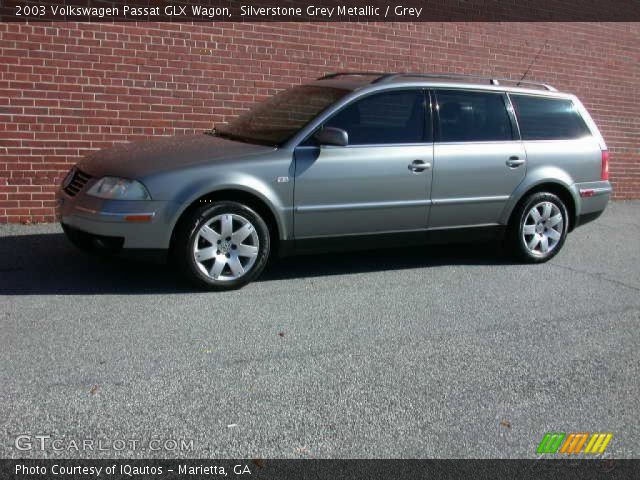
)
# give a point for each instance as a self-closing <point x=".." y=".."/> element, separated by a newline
<point x="515" y="162"/>
<point x="418" y="166"/>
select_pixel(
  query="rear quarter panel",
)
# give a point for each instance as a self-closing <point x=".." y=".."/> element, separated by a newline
<point x="568" y="163"/>
<point x="580" y="160"/>
<point x="563" y="162"/>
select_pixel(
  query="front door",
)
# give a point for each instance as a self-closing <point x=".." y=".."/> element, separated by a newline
<point x="380" y="182"/>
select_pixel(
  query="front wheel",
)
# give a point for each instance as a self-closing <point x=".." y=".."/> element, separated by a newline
<point x="539" y="227"/>
<point x="222" y="245"/>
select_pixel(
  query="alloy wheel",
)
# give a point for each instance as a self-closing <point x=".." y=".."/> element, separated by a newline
<point x="226" y="247"/>
<point x="543" y="228"/>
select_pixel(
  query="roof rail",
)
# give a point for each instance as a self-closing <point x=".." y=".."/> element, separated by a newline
<point x="525" y="82"/>
<point x="341" y="74"/>
<point x="385" y="77"/>
<point x="493" y="81"/>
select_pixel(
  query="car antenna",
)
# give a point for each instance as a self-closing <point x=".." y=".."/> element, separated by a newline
<point x="526" y="72"/>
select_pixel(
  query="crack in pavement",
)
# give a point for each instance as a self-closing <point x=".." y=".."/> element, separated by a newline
<point x="600" y="275"/>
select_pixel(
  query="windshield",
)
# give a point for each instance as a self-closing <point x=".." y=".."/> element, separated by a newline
<point x="280" y="117"/>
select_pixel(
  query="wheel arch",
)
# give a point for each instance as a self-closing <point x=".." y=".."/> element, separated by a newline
<point x="563" y="191"/>
<point x="251" y="199"/>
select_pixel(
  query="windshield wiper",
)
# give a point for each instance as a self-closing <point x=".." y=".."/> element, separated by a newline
<point x="228" y="135"/>
<point x="240" y="138"/>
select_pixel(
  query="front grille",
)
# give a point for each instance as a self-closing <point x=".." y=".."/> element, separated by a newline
<point x="77" y="183"/>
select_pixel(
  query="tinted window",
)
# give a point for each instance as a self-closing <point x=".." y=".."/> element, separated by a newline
<point x="472" y="116"/>
<point x="281" y="116"/>
<point x="548" y="118"/>
<point x="390" y="117"/>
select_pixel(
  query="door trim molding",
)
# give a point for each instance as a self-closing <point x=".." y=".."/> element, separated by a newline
<point x="458" y="201"/>
<point x="362" y="206"/>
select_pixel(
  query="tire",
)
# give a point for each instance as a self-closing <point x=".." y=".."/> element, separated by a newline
<point x="539" y="228"/>
<point x="222" y="246"/>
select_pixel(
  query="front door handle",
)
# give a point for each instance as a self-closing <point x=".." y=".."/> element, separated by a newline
<point x="418" y="166"/>
<point x="515" y="162"/>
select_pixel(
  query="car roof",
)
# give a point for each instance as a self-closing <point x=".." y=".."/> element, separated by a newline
<point x="359" y="80"/>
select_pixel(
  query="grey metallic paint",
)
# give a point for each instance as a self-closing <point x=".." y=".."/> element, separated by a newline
<point x="333" y="191"/>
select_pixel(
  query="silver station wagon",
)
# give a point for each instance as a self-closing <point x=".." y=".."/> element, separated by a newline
<point x="351" y="160"/>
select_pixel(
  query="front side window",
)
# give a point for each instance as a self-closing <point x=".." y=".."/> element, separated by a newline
<point x="472" y="116"/>
<point x="542" y="118"/>
<point x="384" y="118"/>
<point x="282" y="116"/>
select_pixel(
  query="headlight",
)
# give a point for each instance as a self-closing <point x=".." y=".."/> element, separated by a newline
<point x="67" y="179"/>
<point x="115" y="188"/>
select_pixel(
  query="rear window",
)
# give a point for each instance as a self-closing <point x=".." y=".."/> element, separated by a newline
<point x="548" y="118"/>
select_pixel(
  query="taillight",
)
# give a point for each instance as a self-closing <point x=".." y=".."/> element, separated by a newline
<point x="604" y="175"/>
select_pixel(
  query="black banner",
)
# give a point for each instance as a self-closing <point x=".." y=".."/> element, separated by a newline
<point x="319" y="11"/>
<point x="583" y="469"/>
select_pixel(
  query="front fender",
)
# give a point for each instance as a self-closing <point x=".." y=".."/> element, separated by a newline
<point x="274" y="197"/>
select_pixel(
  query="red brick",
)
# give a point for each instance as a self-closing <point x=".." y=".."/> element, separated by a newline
<point x="67" y="89"/>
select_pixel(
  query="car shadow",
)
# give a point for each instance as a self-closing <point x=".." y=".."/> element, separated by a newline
<point x="46" y="264"/>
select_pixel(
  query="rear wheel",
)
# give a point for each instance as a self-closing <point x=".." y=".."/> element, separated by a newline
<point x="539" y="227"/>
<point x="222" y="246"/>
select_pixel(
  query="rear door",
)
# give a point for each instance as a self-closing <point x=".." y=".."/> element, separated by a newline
<point x="380" y="181"/>
<point x="479" y="159"/>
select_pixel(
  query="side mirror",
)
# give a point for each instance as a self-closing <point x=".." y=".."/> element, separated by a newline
<point x="332" y="136"/>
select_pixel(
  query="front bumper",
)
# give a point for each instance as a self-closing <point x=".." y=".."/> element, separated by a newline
<point x="141" y="224"/>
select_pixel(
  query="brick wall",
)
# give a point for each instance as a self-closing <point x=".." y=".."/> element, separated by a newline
<point x="68" y="88"/>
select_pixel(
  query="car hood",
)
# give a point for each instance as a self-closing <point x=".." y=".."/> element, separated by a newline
<point x="139" y="159"/>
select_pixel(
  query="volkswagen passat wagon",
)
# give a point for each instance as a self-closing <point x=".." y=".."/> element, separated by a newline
<point x="350" y="160"/>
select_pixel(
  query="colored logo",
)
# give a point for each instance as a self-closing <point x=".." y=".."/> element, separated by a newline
<point x="573" y="443"/>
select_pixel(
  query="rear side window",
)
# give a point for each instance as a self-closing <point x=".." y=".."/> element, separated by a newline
<point x="548" y="118"/>
<point x="472" y="116"/>
<point x="384" y="118"/>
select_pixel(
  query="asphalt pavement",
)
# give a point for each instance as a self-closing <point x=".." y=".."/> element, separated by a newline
<point x="450" y="352"/>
